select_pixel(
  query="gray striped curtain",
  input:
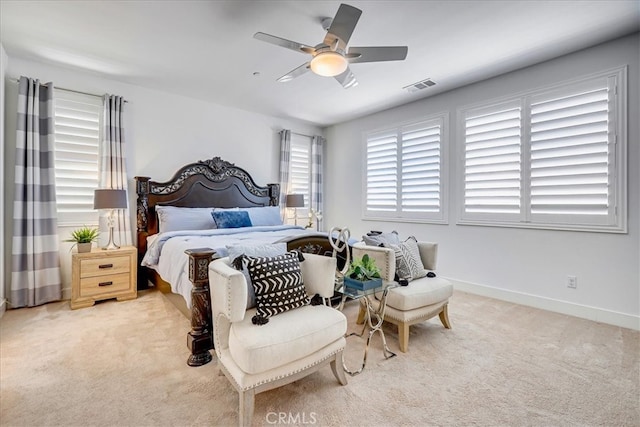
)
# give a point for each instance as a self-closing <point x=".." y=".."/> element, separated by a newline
<point x="285" y="158"/>
<point x="317" y="202"/>
<point x="35" y="262"/>
<point x="113" y="169"/>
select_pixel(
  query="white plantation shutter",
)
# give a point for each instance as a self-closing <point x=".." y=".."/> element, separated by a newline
<point x="492" y="170"/>
<point x="571" y="146"/>
<point x="552" y="158"/>
<point x="77" y="132"/>
<point x="420" y="184"/>
<point x="300" y="170"/>
<point x="404" y="172"/>
<point x="382" y="172"/>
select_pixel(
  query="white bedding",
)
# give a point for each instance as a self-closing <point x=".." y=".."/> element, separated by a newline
<point x="165" y="253"/>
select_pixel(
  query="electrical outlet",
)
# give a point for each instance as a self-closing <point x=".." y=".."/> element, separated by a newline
<point x="572" y="282"/>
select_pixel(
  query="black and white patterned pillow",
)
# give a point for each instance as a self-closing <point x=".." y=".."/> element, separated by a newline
<point x="409" y="265"/>
<point x="277" y="282"/>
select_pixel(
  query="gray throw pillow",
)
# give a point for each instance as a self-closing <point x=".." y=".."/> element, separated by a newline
<point x="409" y="265"/>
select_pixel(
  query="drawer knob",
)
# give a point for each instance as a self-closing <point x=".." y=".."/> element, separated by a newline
<point x="105" y="266"/>
<point x="105" y="283"/>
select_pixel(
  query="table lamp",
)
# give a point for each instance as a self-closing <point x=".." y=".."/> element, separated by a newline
<point x="110" y="199"/>
<point x="295" y="201"/>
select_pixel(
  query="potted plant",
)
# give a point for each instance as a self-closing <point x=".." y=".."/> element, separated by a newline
<point x="83" y="237"/>
<point x="363" y="274"/>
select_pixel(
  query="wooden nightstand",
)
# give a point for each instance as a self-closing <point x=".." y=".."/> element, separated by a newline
<point x="100" y="274"/>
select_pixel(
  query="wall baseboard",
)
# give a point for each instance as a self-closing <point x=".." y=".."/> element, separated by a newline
<point x="582" y="311"/>
<point x="66" y="293"/>
<point x="3" y="306"/>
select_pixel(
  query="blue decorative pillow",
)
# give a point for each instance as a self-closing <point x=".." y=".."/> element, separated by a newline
<point x="231" y="219"/>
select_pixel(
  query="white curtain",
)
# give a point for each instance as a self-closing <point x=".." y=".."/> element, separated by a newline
<point x="316" y="199"/>
<point x="113" y="170"/>
<point x="285" y="158"/>
<point x="35" y="263"/>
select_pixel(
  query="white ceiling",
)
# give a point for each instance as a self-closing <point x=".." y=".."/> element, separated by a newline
<point x="206" y="49"/>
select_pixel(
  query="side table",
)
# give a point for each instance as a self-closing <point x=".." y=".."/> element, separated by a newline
<point x="371" y="313"/>
<point x="102" y="274"/>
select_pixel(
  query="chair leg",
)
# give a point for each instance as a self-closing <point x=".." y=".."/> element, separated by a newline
<point x="338" y="369"/>
<point x="361" y="315"/>
<point x="245" y="412"/>
<point x="403" y="336"/>
<point x="444" y="316"/>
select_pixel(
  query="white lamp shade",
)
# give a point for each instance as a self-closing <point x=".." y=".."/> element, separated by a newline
<point x="329" y="64"/>
<point x="110" y="199"/>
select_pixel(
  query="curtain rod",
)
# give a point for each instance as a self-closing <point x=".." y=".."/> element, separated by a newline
<point x="298" y="133"/>
<point x="70" y="90"/>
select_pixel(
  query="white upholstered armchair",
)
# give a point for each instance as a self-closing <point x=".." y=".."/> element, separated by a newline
<point x="291" y="345"/>
<point x="421" y="300"/>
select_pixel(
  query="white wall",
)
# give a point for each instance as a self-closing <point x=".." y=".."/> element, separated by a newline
<point x="163" y="132"/>
<point x="521" y="265"/>
<point x="3" y="65"/>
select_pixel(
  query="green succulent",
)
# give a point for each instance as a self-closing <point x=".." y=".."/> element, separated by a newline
<point x="363" y="269"/>
<point x="84" y="235"/>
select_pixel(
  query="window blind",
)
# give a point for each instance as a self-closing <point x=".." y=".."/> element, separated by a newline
<point x="551" y="158"/>
<point x="77" y="136"/>
<point x="300" y="170"/>
<point x="420" y="183"/>
<point x="404" y="172"/>
<point x="570" y="141"/>
<point x="492" y="171"/>
<point x="382" y="172"/>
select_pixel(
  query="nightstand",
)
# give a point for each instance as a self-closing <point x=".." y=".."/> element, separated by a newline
<point x="101" y="274"/>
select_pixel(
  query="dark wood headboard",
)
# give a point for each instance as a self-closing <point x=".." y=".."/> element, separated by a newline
<point x="206" y="183"/>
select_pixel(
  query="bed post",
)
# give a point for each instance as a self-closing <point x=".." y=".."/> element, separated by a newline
<point x="142" y="210"/>
<point x="200" y="339"/>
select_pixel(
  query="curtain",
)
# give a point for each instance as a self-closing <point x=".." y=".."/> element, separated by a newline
<point x="316" y="196"/>
<point x="113" y="170"/>
<point x="35" y="262"/>
<point x="285" y="158"/>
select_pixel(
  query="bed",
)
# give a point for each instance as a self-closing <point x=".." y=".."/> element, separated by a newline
<point x="211" y="184"/>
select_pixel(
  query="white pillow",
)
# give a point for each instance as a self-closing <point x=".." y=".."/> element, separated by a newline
<point x="265" y="215"/>
<point x="266" y="250"/>
<point x="173" y="218"/>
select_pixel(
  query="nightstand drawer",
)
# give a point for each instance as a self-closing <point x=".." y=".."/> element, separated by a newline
<point x="98" y="285"/>
<point x="104" y="266"/>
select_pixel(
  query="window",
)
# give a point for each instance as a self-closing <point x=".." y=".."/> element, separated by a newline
<point x="77" y="134"/>
<point x="300" y="171"/>
<point x="549" y="159"/>
<point x="404" y="172"/>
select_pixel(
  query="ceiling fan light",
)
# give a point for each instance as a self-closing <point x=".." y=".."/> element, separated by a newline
<point x="329" y="64"/>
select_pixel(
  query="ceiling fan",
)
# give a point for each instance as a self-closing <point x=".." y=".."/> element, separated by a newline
<point x="331" y="57"/>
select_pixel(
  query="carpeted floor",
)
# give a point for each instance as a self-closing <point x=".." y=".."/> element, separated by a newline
<point x="123" y="364"/>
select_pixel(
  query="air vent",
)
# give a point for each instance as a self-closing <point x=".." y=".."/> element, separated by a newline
<point x="420" y="85"/>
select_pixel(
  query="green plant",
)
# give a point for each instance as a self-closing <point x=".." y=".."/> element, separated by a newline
<point x="84" y="235"/>
<point x="363" y="269"/>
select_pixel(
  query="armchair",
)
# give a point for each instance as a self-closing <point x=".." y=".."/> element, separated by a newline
<point x="421" y="300"/>
<point x="292" y="345"/>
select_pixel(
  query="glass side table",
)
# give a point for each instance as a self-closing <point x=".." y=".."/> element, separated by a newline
<point x="374" y="317"/>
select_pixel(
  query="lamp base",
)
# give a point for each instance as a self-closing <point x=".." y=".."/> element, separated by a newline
<point x="111" y="245"/>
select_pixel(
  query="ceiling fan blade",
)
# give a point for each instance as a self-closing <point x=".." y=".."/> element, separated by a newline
<point x="294" y="73"/>
<point x="343" y="24"/>
<point x="378" y="53"/>
<point x="278" y="41"/>
<point x="347" y="79"/>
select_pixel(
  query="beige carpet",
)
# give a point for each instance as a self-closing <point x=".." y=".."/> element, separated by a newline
<point x="123" y="364"/>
